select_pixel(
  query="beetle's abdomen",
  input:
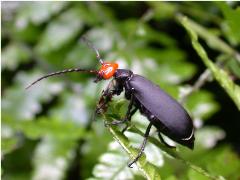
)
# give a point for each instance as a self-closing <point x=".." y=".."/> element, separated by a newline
<point x="167" y="110"/>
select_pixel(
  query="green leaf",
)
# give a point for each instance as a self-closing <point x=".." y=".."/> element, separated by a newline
<point x="20" y="169"/>
<point x="149" y="34"/>
<point x="48" y="127"/>
<point x="168" y="55"/>
<point x="8" y="144"/>
<point x="71" y="108"/>
<point x="171" y="178"/>
<point x="194" y="175"/>
<point x="173" y="72"/>
<point x="220" y="75"/>
<point x="145" y="164"/>
<point x="101" y="13"/>
<point x="80" y="56"/>
<point x="173" y="154"/>
<point x="232" y="20"/>
<point x="14" y="54"/>
<point x="37" y="12"/>
<point x="201" y="104"/>
<point x="168" y="64"/>
<point x="99" y="138"/>
<point x="102" y="38"/>
<point x="219" y="160"/>
<point x="225" y="162"/>
<point x="141" y="33"/>
<point x="26" y="103"/>
<point x="149" y="170"/>
<point x="234" y="66"/>
<point x="60" y="31"/>
<point x="9" y="140"/>
<point x="208" y="136"/>
<point x="113" y="164"/>
<point x="163" y="10"/>
<point x="211" y="39"/>
<point x="51" y="158"/>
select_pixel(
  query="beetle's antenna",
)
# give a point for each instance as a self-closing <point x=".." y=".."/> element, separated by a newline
<point x="62" y="72"/>
<point x="90" y="45"/>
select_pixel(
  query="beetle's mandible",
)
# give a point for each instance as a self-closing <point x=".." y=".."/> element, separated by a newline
<point x="163" y="112"/>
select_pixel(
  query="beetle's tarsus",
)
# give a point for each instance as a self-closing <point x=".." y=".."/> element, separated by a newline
<point x="130" y="164"/>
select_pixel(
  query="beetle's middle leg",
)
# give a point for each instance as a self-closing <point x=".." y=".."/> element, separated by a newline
<point x="129" y="119"/>
<point x="128" y="115"/>
<point x="142" y="147"/>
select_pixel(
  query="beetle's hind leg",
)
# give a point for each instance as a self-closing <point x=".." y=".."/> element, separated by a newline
<point x="129" y="119"/>
<point x="164" y="142"/>
<point x="142" y="147"/>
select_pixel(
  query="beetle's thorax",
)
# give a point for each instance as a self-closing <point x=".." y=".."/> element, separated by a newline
<point x="123" y="75"/>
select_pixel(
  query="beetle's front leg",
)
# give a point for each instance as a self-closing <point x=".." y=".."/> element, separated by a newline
<point x="112" y="89"/>
<point x="103" y="101"/>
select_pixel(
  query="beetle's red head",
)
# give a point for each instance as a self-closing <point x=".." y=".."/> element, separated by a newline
<point x="107" y="70"/>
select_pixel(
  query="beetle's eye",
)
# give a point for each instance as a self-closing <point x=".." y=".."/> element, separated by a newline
<point x="108" y="69"/>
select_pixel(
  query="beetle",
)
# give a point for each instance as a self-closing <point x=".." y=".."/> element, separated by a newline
<point x="164" y="112"/>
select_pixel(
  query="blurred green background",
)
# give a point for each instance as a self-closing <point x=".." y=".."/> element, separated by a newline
<point x="47" y="132"/>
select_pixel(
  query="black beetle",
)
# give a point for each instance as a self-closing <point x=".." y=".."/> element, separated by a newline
<point x="163" y="112"/>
